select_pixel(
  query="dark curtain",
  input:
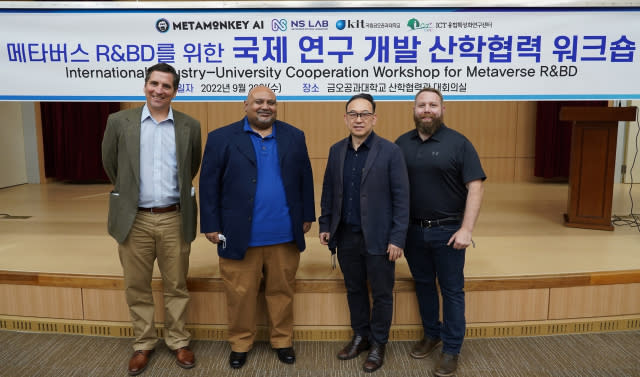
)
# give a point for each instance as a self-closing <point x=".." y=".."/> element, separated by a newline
<point x="553" y="138"/>
<point x="72" y="134"/>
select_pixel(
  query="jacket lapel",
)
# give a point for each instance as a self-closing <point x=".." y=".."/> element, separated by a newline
<point x="373" y="154"/>
<point x="242" y="140"/>
<point x="182" y="140"/>
<point x="342" y="154"/>
<point x="282" y="141"/>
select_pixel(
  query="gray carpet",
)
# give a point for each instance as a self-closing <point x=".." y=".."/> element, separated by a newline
<point x="585" y="355"/>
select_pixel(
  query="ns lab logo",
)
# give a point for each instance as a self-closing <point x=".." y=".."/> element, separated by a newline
<point x="282" y="24"/>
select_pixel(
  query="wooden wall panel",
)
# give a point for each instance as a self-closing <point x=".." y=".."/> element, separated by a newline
<point x="310" y="309"/>
<point x="594" y="301"/>
<point x="318" y="165"/>
<point x="207" y="308"/>
<point x="491" y="126"/>
<point x="37" y="301"/>
<point x="105" y="305"/>
<point x="502" y="132"/>
<point x="110" y="305"/>
<point x="524" y="167"/>
<point x="482" y="306"/>
<point x="223" y="113"/>
<point x="321" y="309"/>
<point x="197" y="110"/>
<point x="526" y="130"/>
<point x="505" y="306"/>
<point x="405" y="309"/>
<point x="394" y="119"/>
<point x="322" y="123"/>
<point x="499" y="170"/>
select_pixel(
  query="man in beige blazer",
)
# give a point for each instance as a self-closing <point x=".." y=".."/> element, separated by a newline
<point x="151" y="155"/>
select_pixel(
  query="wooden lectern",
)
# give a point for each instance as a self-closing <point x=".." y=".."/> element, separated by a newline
<point x="593" y="156"/>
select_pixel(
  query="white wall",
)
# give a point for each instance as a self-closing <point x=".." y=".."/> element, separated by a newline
<point x="12" y="154"/>
<point x="31" y="142"/>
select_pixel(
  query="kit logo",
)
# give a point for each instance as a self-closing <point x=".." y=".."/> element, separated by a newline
<point x="349" y="24"/>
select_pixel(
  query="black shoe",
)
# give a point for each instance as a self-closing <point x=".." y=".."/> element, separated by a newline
<point x="357" y="345"/>
<point x="286" y="355"/>
<point x="237" y="359"/>
<point x="375" y="359"/>
<point x="447" y="365"/>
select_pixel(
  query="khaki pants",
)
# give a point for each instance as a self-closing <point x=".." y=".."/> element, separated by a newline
<point x="156" y="236"/>
<point x="278" y="264"/>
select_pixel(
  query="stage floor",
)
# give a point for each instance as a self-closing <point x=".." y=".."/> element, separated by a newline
<point x="520" y="232"/>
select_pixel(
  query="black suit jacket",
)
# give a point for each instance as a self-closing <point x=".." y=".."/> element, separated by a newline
<point x="384" y="195"/>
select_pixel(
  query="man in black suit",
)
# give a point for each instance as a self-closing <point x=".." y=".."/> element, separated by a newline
<point x="365" y="214"/>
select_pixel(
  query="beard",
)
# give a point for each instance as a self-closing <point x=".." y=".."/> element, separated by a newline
<point x="262" y="123"/>
<point x="428" y="127"/>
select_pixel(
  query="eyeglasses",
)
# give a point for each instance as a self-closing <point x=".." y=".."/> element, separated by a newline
<point x="364" y="116"/>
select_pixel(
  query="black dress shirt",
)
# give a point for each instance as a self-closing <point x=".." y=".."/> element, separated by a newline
<point x="352" y="176"/>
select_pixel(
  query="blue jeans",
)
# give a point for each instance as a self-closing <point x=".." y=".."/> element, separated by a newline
<point x="429" y="258"/>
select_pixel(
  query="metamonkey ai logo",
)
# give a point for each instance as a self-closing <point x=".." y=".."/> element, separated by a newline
<point x="162" y="25"/>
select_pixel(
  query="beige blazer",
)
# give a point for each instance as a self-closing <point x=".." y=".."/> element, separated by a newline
<point x="121" y="161"/>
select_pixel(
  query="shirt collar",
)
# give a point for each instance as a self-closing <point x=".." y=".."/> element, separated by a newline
<point x="146" y="114"/>
<point x="436" y="136"/>
<point x="367" y="142"/>
<point x="247" y="128"/>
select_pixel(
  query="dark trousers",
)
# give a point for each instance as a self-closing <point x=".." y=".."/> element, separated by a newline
<point x="358" y="266"/>
<point x="429" y="258"/>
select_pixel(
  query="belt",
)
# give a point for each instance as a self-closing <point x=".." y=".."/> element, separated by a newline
<point x="431" y="223"/>
<point x="171" y="208"/>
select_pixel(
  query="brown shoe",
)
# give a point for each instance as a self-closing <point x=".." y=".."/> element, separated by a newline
<point x="447" y="365"/>
<point x="356" y="346"/>
<point x="424" y="347"/>
<point x="185" y="358"/>
<point x="375" y="359"/>
<point x="138" y="362"/>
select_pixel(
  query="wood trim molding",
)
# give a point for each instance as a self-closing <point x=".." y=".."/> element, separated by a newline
<point x="329" y="333"/>
<point x="199" y="284"/>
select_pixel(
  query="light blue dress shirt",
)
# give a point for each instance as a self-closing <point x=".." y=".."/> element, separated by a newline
<point x="158" y="163"/>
